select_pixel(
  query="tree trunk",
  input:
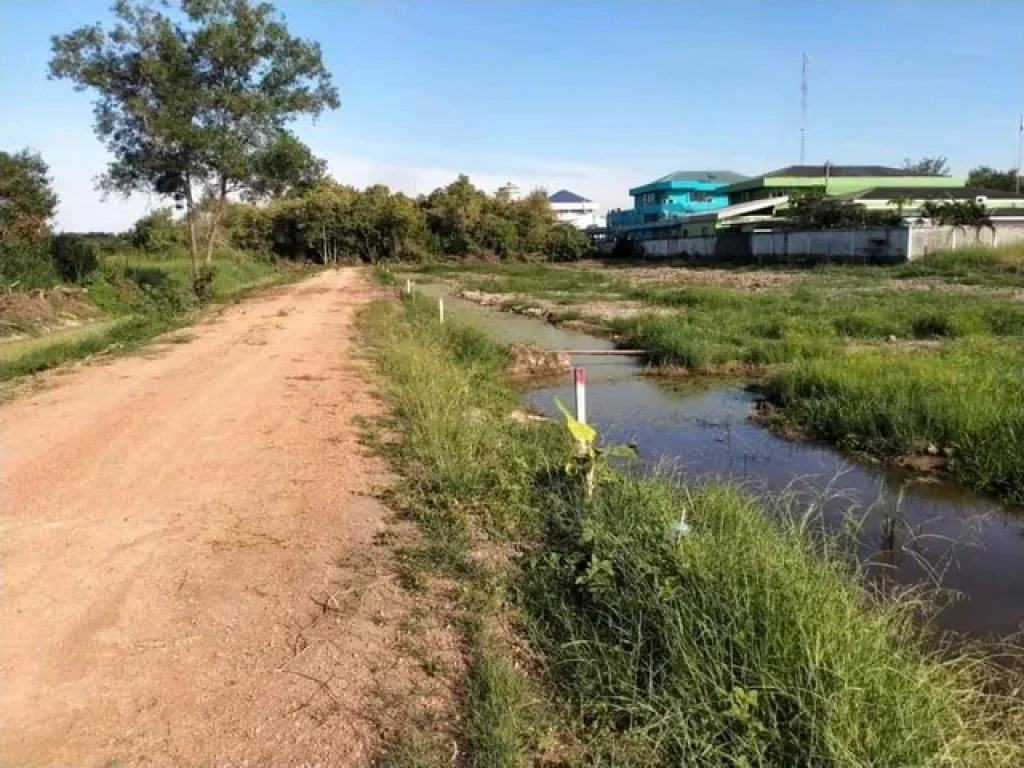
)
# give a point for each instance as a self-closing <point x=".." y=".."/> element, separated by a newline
<point x="190" y="214"/>
<point x="219" y="205"/>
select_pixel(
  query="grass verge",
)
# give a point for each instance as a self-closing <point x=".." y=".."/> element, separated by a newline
<point x="142" y="299"/>
<point x="741" y="643"/>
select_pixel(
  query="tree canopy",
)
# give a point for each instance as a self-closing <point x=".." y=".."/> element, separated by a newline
<point x="331" y="220"/>
<point x="984" y="177"/>
<point x="196" y="103"/>
<point x="27" y="202"/>
<point x="928" y="166"/>
<point x="815" y="210"/>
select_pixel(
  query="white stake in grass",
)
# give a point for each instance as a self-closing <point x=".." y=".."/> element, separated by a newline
<point x="440" y="310"/>
<point x="580" y="375"/>
<point x="408" y="287"/>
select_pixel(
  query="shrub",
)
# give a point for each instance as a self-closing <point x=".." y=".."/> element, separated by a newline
<point x="26" y="265"/>
<point x="566" y="243"/>
<point x="158" y="231"/>
<point x="74" y="257"/>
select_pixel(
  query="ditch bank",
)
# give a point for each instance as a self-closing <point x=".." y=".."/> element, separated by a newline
<point x="914" y="528"/>
<point x="662" y="622"/>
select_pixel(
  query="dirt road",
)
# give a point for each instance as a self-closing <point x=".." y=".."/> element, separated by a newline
<point x="189" y="574"/>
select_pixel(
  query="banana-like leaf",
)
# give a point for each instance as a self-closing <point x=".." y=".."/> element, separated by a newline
<point x="582" y="432"/>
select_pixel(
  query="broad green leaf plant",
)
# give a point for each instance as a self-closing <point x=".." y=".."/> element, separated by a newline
<point x="589" y="460"/>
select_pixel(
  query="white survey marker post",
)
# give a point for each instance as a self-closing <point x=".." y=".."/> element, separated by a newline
<point x="408" y="287"/>
<point x="440" y="310"/>
<point x="580" y="376"/>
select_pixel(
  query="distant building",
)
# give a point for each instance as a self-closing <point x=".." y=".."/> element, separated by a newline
<point x="508" y="191"/>
<point x="832" y="180"/>
<point x="678" y="194"/>
<point x="570" y="208"/>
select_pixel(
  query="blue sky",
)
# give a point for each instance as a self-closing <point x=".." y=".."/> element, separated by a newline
<point x="596" y="97"/>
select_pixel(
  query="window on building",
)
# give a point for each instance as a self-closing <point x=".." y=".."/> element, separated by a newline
<point x="700" y="197"/>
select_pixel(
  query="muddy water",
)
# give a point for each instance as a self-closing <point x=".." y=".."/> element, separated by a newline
<point x="974" y="546"/>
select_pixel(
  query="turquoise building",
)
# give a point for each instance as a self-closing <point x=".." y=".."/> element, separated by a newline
<point x="677" y="194"/>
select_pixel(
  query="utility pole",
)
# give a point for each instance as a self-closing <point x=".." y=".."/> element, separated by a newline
<point x="1020" y="148"/>
<point x="803" y="109"/>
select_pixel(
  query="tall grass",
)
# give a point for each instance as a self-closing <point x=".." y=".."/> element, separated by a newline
<point x="976" y="264"/>
<point x="742" y="643"/>
<point x="141" y="297"/>
<point x="966" y="399"/>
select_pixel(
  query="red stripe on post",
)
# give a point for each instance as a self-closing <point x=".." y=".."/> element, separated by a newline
<point x="581" y="375"/>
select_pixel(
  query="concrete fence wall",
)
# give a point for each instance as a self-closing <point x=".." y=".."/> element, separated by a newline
<point x="883" y="245"/>
<point x="857" y="246"/>
<point x="927" y="240"/>
<point x="680" y="246"/>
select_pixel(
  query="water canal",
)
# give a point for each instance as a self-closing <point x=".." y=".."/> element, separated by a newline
<point x="972" y="545"/>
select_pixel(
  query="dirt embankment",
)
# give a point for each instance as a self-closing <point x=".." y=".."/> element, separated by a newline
<point x="192" y="573"/>
<point x="34" y="312"/>
<point x="583" y="316"/>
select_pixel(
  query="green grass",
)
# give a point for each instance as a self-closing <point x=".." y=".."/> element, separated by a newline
<point x="707" y="327"/>
<point x="966" y="399"/>
<point x="10" y="350"/>
<point x="848" y="341"/>
<point x="141" y="297"/>
<point x="45" y="352"/>
<point x="975" y="265"/>
<point x="743" y="643"/>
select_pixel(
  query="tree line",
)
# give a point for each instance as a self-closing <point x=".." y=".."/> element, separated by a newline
<point x="329" y="222"/>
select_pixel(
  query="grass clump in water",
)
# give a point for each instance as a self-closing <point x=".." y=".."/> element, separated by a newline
<point x="966" y="400"/>
<point x="739" y="643"/>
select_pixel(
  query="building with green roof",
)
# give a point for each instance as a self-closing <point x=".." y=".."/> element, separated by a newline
<point x="832" y="180"/>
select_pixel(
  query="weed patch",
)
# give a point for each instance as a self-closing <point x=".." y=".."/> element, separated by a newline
<point x="143" y="298"/>
<point x="743" y="641"/>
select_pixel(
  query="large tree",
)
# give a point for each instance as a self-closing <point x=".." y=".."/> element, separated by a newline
<point x="928" y="166"/>
<point x="27" y="202"/>
<point x="195" y="104"/>
<point x="984" y="177"/>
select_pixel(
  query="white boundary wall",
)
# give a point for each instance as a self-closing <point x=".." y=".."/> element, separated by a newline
<point x="883" y="245"/>
<point x="886" y="245"/>
<point x="926" y="240"/>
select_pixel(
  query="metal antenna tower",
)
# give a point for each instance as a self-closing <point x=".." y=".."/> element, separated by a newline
<point x="803" y="109"/>
<point x="1020" y="151"/>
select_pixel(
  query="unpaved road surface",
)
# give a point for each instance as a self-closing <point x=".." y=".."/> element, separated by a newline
<point x="189" y="574"/>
